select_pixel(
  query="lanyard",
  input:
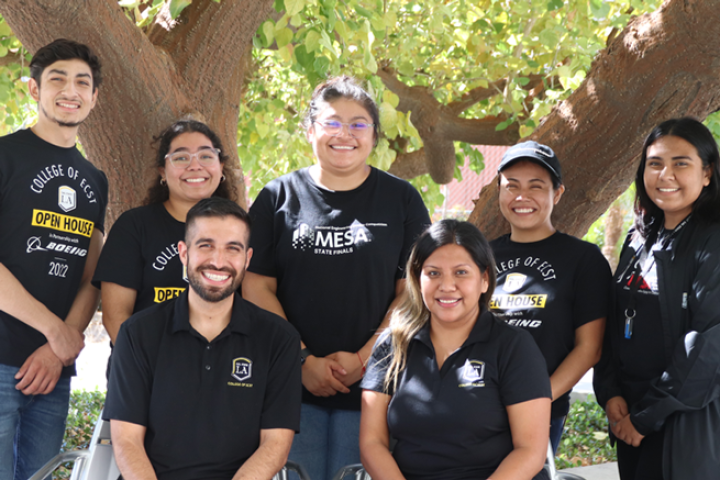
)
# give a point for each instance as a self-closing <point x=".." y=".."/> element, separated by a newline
<point x="635" y="277"/>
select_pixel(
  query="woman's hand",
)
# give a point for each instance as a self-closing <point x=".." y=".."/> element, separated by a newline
<point x="626" y="431"/>
<point x="352" y="366"/>
<point x="318" y="376"/>
<point x="616" y="409"/>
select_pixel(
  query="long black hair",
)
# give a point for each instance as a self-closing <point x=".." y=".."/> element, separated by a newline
<point x="648" y="216"/>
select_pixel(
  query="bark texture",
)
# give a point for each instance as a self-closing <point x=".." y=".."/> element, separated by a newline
<point x="663" y="65"/>
<point x="192" y="67"/>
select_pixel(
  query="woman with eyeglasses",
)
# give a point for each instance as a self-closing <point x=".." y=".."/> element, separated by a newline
<point x="330" y="243"/>
<point x="659" y="376"/>
<point x="139" y="264"/>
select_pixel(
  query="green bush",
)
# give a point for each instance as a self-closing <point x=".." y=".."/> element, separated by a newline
<point x="83" y="414"/>
<point x="585" y="441"/>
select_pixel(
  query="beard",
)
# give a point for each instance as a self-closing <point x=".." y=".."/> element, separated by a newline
<point x="60" y="122"/>
<point x="214" y="294"/>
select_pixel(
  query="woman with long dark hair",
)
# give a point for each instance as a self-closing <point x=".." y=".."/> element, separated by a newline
<point x="658" y="378"/>
<point x="465" y="395"/>
<point x="139" y="264"/>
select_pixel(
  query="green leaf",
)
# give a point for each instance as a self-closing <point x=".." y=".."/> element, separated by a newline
<point x="283" y="37"/>
<point x="369" y="61"/>
<point x="364" y="12"/>
<point x="502" y="126"/>
<point x="312" y="40"/>
<point x="326" y="42"/>
<point x="268" y="30"/>
<point x="554" y="5"/>
<point x="293" y="7"/>
<point x="388" y="115"/>
<point x="177" y="6"/>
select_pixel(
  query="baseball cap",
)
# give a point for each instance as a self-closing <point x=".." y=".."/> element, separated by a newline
<point x="535" y="152"/>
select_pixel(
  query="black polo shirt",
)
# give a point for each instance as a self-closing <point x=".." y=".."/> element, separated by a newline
<point x="204" y="403"/>
<point x="452" y="423"/>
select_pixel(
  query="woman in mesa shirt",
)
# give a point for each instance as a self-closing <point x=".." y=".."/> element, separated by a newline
<point x="465" y="395"/>
<point x="139" y="264"/>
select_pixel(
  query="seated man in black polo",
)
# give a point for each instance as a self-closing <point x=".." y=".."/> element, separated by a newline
<point x="206" y="386"/>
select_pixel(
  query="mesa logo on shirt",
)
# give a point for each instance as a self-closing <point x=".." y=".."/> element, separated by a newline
<point x="332" y="240"/>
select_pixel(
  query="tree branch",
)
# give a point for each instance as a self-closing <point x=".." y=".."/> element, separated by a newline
<point x="598" y="132"/>
<point x="409" y="165"/>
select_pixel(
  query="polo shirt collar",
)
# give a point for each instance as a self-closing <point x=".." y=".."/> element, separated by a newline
<point x="479" y="333"/>
<point x="238" y="318"/>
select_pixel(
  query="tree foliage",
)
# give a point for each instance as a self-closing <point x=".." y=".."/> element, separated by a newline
<point x="447" y="74"/>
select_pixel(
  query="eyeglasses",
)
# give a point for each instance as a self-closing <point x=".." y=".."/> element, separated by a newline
<point x="356" y="129"/>
<point x="206" y="157"/>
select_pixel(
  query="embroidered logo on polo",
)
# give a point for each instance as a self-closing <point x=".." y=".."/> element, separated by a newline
<point x="242" y="372"/>
<point x="67" y="198"/>
<point x="473" y="374"/>
<point x="333" y="240"/>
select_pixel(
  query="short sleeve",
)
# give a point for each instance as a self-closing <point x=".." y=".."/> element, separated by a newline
<point x="100" y="221"/>
<point x="129" y="386"/>
<point x="281" y="405"/>
<point x="377" y="366"/>
<point x="592" y="287"/>
<point x="121" y="259"/>
<point x="416" y="222"/>
<point x="262" y="235"/>
<point x="523" y="375"/>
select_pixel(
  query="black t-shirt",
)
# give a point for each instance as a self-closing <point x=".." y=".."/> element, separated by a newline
<point x="141" y="253"/>
<point x="51" y="201"/>
<point x="204" y="403"/>
<point x="647" y="336"/>
<point x="551" y="288"/>
<point x="336" y="257"/>
<point x="452" y="424"/>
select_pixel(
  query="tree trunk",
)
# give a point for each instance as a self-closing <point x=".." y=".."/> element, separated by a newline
<point x="663" y="65"/>
<point x="193" y="69"/>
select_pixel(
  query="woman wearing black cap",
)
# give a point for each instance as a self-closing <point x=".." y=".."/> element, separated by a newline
<point x="551" y="284"/>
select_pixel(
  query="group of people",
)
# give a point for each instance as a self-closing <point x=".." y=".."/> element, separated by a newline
<point x="333" y="308"/>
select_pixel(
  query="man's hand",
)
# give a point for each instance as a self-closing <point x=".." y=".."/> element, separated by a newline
<point x="40" y="372"/>
<point x="318" y="376"/>
<point x="66" y="342"/>
<point x="351" y="364"/>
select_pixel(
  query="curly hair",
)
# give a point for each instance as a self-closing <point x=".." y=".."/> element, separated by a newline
<point x="158" y="192"/>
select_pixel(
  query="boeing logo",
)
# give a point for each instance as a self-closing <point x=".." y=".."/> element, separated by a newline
<point x="34" y="244"/>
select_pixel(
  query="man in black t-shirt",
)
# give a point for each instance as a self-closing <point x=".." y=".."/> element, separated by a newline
<point x="207" y="385"/>
<point x="52" y="210"/>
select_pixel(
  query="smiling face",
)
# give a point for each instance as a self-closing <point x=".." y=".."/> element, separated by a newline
<point x="342" y="155"/>
<point x="674" y="177"/>
<point x="65" y="95"/>
<point x="527" y="198"/>
<point x="451" y="285"/>
<point x="216" y="255"/>
<point x="196" y="181"/>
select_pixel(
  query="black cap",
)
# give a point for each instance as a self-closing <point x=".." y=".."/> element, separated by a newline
<point x="535" y="152"/>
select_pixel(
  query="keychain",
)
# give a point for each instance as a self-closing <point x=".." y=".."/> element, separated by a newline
<point x="629" y="322"/>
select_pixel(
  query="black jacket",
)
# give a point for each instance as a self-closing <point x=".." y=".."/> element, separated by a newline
<point x="685" y="400"/>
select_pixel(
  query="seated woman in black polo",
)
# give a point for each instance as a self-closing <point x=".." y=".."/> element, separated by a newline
<point x="465" y="395"/>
